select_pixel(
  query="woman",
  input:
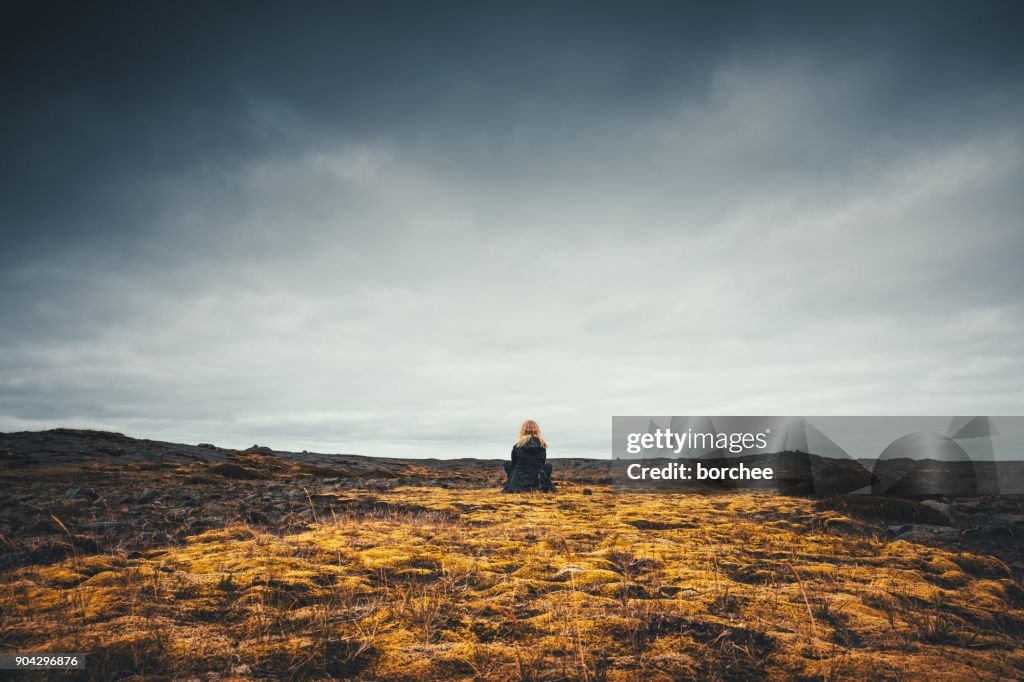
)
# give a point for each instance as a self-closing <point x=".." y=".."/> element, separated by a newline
<point x="529" y="469"/>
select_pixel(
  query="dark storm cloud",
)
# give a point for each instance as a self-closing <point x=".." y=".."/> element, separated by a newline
<point x="316" y="223"/>
<point x="104" y="94"/>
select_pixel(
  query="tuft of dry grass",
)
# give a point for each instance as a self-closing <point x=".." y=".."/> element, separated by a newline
<point x="430" y="583"/>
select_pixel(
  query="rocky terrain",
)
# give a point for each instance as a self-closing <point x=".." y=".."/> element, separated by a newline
<point x="169" y="560"/>
<point x="106" y="491"/>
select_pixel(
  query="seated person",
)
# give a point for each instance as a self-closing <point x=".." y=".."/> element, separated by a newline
<point x="529" y="469"/>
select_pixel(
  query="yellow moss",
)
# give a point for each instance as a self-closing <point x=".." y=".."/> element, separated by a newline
<point x="954" y="577"/>
<point x="981" y="565"/>
<point x="940" y="564"/>
<point x="61" y="575"/>
<point x="473" y="586"/>
<point x="107" y="579"/>
<point x="100" y="562"/>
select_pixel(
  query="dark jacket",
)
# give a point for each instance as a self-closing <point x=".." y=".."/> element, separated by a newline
<point x="529" y="469"/>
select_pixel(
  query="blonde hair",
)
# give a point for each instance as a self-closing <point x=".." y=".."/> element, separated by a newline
<point x="528" y="430"/>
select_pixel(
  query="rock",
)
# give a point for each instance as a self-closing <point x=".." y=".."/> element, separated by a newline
<point x="147" y="495"/>
<point x="1011" y="521"/>
<point x="940" y="507"/>
<point x="885" y="509"/>
<point x="207" y="446"/>
<point x="89" y="494"/>
<point x="234" y="471"/>
<point x="930" y="532"/>
<point x="976" y="519"/>
<point x="900" y="529"/>
<point x="588" y="491"/>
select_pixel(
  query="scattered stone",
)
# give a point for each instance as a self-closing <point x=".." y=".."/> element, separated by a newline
<point x="588" y="491"/>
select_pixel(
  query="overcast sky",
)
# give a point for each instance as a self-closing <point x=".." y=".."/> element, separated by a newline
<point x="402" y="229"/>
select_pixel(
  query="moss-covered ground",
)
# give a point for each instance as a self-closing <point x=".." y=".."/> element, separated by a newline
<point x="421" y="583"/>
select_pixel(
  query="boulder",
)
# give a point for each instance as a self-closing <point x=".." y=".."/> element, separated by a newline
<point x="941" y="507"/>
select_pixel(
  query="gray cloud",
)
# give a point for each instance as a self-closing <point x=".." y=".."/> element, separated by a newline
<point x="401" y="232"/>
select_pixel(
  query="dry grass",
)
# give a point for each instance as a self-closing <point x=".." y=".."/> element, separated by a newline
<point x="469" y="584"/>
